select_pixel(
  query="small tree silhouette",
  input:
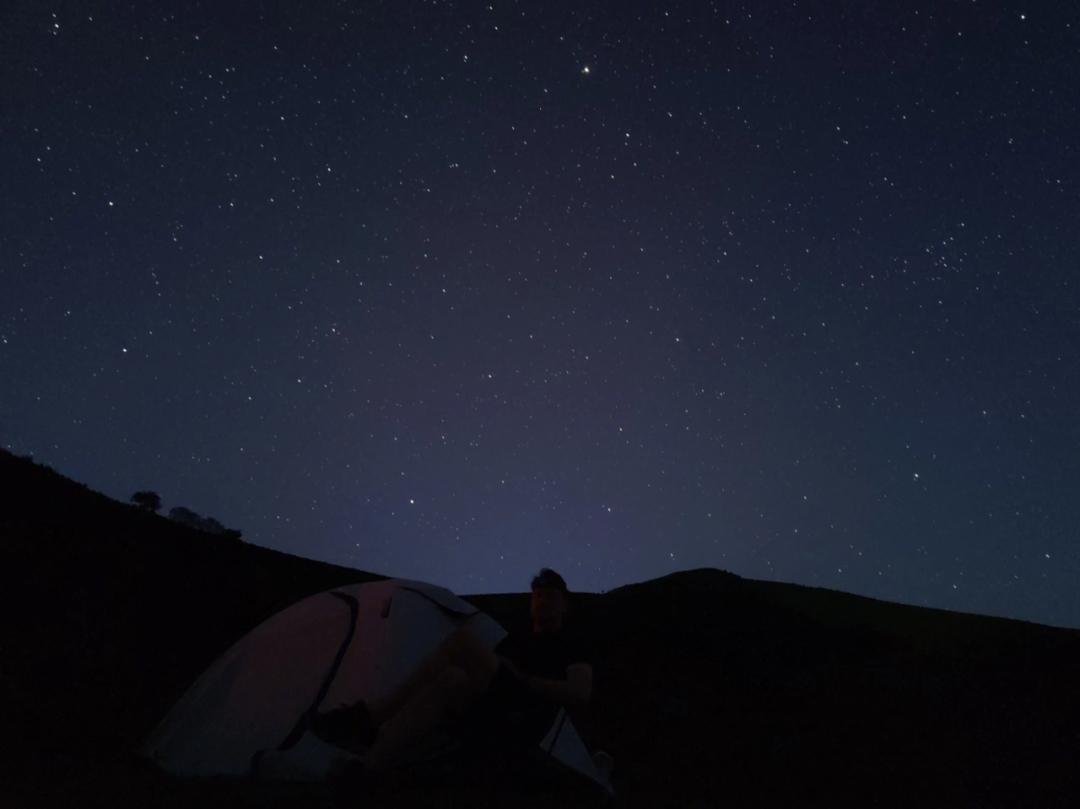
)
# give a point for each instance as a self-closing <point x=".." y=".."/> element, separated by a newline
<point x="148" y="500"/>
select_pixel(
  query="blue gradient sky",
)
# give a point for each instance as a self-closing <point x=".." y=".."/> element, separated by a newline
<point x="452" y="291"/>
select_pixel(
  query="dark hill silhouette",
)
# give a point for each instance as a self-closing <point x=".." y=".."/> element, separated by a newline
<point x="710" y="690"/>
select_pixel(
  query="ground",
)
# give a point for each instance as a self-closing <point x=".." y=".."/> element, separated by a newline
<point x="709" y="689"/>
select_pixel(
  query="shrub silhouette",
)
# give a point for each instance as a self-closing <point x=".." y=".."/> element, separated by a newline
<point x="185" y="516"/>
<point x="208" y="524"/>
<point x="148" y="500"/>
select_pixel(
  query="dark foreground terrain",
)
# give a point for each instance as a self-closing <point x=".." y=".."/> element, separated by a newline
<point x="711" y="690"/>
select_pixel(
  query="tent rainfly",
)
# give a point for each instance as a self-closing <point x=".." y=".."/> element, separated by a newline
<point x="244" y="715"/>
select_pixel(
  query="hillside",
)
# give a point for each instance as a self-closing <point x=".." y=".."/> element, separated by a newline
<point x="710" y="689"/>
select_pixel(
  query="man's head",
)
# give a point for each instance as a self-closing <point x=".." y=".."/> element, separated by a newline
<point x="550" y="601"/>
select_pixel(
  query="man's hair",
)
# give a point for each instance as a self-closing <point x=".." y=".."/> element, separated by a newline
<point x="549" y="578"/>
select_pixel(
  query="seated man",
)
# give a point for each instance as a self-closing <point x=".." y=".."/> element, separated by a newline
<point x="499" y="702"/>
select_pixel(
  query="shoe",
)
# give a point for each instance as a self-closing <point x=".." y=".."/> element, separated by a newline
<point x="351" y="780"/>
<point x="348" y="727"/>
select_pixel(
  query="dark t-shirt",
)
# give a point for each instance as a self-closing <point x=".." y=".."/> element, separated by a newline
<point x="510" y="717"/>
<point x="543" y="654"/>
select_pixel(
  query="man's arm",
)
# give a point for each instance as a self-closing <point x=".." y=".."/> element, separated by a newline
<point x="574" y="693"/>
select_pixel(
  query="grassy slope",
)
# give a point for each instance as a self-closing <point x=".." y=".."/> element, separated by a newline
<point x="709" y="687"/>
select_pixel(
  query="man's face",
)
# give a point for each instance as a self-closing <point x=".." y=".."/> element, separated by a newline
<point x="548" y="606"/>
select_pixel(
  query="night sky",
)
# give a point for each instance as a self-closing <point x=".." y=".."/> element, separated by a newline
<point x="452" y="291"/>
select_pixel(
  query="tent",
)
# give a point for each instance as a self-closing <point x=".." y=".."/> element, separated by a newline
<point x="244" y="716"/>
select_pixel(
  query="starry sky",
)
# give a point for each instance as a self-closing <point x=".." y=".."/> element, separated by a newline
<point x="454" y="290"/>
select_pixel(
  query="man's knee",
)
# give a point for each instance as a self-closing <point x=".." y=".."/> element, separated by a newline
<point x="457" y="688"/>
<point x="463" y="637"/>
<point x="455" y="678"/>
<point x="474" y="657"/>
<point x="464" y="642"/>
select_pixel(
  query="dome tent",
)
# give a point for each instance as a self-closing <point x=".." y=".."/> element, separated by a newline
<point x="244" y="716"/>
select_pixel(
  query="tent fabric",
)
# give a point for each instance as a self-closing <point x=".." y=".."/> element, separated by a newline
<point x="244" y="716"/>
